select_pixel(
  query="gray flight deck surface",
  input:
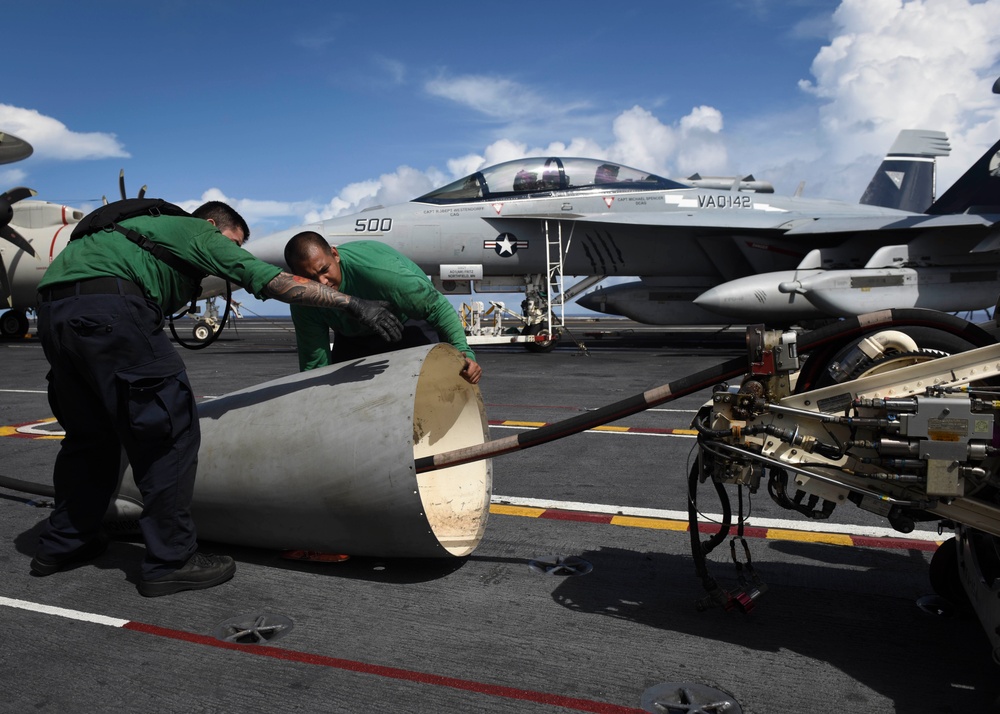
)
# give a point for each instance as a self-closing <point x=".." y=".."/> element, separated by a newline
<point x="838" y="629"/>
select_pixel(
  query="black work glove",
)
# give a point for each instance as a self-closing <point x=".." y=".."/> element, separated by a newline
<point x="375" y="315"/>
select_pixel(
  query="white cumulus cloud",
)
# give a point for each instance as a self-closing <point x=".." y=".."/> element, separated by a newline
<point x="12" y="177"/>
<point x="397" y="187"/>
<point x="500" y="98"/>
<point x="893" y="65"/>
<point x="259" y="214"/>
<point x="493" y="96"/>
<point x="51" y="139"/>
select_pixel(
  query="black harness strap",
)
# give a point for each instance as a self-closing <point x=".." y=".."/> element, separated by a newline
<point x="159" y="252"/>
<point x="106" y="218"/>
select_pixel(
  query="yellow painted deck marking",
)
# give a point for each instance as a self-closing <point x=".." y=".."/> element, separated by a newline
<point x="516" y="510"/>
<point x="809" y="537"/>
<point x="657" y="523"/>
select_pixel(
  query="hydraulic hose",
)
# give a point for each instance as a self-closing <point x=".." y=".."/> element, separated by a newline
<point x="38" y="489"/>
<point x="573" y="425"/>
<point x="211" y="338"/>
<point x="699" y="549"/>
<point x="719" y="536"/>
<point x="829" y="336"/>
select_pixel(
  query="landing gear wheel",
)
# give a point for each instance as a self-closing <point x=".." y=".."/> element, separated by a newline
<point x="202" y="330"/>
<point x="544" y="346"/>
<point x="945" y="579"/>
<point x="13" y="323"/>
<point x="932" y="343"/>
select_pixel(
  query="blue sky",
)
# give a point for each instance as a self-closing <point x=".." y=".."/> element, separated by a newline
<point x="301" y="110"/>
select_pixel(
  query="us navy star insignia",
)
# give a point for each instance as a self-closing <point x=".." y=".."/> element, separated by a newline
<point x="505" y="244"/>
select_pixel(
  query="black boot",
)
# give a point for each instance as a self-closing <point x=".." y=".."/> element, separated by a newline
<point x="201" y="571"/>
<point x="43" y="564"/>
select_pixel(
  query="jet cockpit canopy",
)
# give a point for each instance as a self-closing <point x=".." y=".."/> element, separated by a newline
<point x="525" y="177"/>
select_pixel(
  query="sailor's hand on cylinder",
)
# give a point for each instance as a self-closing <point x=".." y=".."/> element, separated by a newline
<point x="375" y="315"/>
<point x="471" y="372"/>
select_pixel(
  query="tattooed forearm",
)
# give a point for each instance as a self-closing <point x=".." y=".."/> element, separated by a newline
<point x="295" y="290"/>
<point x="373" y="314"/>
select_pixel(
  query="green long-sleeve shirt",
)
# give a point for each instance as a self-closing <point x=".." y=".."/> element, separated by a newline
<point x="110" y="254"/>
<point x="375" y="271"/>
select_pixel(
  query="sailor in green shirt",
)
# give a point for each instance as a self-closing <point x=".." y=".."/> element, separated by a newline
<point x="374" y="271"/>
<point x="116" y="382"/>
<point x="195" y="240"/>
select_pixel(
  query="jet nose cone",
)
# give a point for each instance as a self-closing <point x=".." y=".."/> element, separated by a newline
<point x="593" y="301"/>
<point x="713" y="297"/>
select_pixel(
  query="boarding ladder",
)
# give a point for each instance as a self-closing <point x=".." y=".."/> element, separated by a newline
<point x="554" y="274"/>
<point x="555" y="252"/>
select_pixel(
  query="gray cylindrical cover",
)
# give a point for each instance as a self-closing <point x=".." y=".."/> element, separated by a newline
<point x="323" y="460"/>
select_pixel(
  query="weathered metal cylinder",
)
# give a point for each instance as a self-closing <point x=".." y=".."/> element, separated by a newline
<point x="323" y="460"/>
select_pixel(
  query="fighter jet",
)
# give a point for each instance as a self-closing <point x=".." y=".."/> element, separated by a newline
<point x="950" y="268"/>
<point x="529" y="222"/>
<point x="934" y="265"/>
<point x="906" y="179"/>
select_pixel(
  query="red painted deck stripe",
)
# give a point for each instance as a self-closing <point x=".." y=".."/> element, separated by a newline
<point x="871" y="542"/>
<point x="493" y="690"/>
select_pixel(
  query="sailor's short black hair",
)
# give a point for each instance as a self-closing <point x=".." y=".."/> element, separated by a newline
<point x="299" y="246"/>
<point x="224" y="215"/>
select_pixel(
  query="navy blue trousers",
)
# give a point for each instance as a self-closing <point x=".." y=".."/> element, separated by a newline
<point x="117" y="384"/>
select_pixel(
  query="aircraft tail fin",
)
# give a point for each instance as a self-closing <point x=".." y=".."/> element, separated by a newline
<point x="978" y="189"/>
<point x="906" y="177"/>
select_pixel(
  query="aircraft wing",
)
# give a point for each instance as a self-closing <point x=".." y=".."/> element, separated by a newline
<point x="861" y="224"/>
<point x="783" y="222"/>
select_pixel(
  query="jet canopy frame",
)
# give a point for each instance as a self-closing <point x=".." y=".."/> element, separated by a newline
<point x="542" y="175"/>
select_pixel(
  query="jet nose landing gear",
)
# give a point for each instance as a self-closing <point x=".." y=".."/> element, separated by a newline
<point x="203" y="329"/>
